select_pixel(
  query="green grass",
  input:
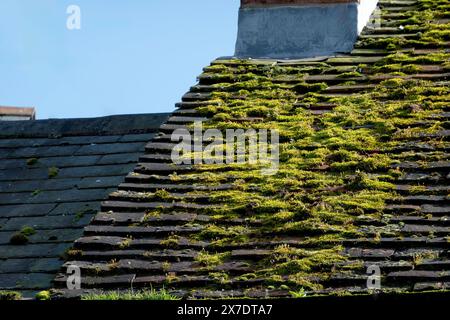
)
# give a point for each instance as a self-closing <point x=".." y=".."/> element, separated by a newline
<point x="151" y="294"/>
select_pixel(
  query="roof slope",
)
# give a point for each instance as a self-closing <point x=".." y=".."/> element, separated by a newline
<point x="53" y="175"/>
<point x="363" y="177"/>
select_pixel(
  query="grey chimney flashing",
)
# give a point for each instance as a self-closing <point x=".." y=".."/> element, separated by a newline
<point x="300" y="31"/>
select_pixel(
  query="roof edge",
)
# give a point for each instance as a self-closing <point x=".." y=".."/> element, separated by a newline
<point x="109" y="125"/>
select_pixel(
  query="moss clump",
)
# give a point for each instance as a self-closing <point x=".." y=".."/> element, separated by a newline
<point x="18" y="239"/>
<point x="171" y="242"/>
<point x="53" y="172"/>
<point x="222" y="117"/>
<point x="28" y="231"/>
<point x="32" y="161"/>
<point x="162" y="195"/>
<point x="10" y="296"/>
<point x="298" y="294"/>
<point x="43" y="295"/>
<point x="126" y="243"/>
<point x="35" y="193"/>
<point x="210" y="260"/>
<point x="307" y="88"/>
<point x="214" y="232"/>
<point x="72" y="253"/>
<point x="351" y="74"/>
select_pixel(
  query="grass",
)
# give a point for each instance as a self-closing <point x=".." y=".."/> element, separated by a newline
<point x="151" y="294"/>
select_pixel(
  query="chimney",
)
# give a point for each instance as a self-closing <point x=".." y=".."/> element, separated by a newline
<point x="17" y="114"/>
<point x="290" y="29"/>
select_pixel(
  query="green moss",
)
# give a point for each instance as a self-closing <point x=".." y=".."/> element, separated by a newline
<point x="210" y="260"/>
<point x="32" y="161"/>
<point x="35" y="193"/>
<point x="298" y="294"/>
<point x="171" y="241"/>
<point x="53" y="172"/>
<point x="18" y="239"/>
<point x="351" y="74"/>
<point x="222" y="117"/>
<point x="125" y="243"/>
<point x="27" y="231"/>
<point x="162" y="195"/>
<point x="10" y="295"/>
<point x="43" y="295"/>
<point x="308" y="88"/>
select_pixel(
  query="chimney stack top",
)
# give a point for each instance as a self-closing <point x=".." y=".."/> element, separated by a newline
<point x="259" y="3"/>
<point x="292" y="29"/>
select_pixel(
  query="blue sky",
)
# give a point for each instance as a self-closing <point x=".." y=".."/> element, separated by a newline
<point x="135" y="56"/>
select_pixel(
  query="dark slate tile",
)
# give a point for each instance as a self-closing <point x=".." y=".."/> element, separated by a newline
<point x="3" y="221"/>
<point x="45" y="236"/>
<point x="39" y="185"/>
<point x="101" y="182"/>
<point x="71" y="196"/>
<point x="110" y="148"/>
<point x="137" y="137"/>
<point x="34" y="250"/>
<point x="23" y="143"/>
<point x="103" y="126"/>
<point x="15" y="198"/>
<point x="55" y="196"/>
<point x="70" y="161"/>
<point x="26" y="281"/>
<point x="48" y="222"/>
<point x="120" y="158"/>
<point x="83" y="140"/>
<point x="23" y="174"/>
<point x="12" y="163"/>
<point x="41" y="152"/>
<point x="30" y="265"/>
<point x="25" y="210"/>
<point x="56" y="141"/>
<point x="46" y="265"/>
<point x="96" y="171"/>
<point x="73" y="208"/>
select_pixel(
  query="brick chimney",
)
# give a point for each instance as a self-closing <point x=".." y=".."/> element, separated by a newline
<point x="17" y="113"/>
<point x="289" y="29"/>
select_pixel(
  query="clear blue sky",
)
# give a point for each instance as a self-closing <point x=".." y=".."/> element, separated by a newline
<point x="134" y="56"/>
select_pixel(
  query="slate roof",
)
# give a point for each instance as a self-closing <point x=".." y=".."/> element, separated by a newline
<point x="53" y="175"/>
<point x="363" y="179"/>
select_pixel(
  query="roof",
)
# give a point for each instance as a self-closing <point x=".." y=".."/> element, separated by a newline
<point x="53" y="176"/>
<point x="17" y="113"/>
<point x="363" y="179"/>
